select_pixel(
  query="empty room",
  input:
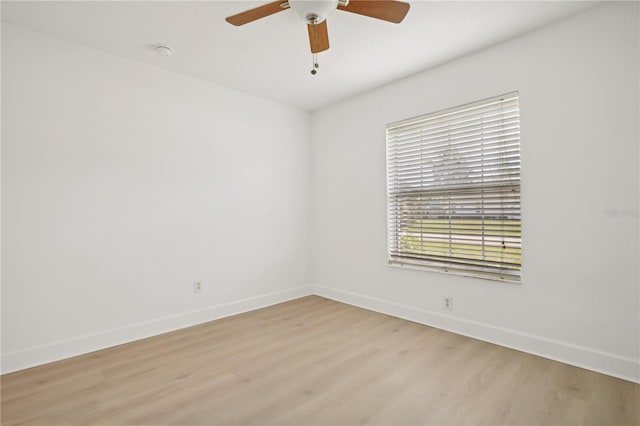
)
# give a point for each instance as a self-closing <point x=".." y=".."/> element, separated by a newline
<point x="320" y="212"/>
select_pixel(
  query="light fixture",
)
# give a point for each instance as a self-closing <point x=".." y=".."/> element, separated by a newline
<point x="313" y="11"/>
<point x="163" y="50"/>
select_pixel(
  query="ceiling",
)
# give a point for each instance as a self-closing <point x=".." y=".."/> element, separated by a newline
<point x="270" y="57"/>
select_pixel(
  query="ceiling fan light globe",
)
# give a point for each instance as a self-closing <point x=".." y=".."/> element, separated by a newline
<point x="313" y="11"/>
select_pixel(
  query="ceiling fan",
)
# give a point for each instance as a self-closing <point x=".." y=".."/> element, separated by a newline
<point x="315" y="12"/>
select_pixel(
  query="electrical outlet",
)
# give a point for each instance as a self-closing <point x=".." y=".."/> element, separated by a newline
<point x="447" y="303"/>
<point x="197" y="286"/>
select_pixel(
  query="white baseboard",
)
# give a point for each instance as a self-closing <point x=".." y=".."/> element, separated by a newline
<point x="579" y="356"/>
<point x="31" y="357"/>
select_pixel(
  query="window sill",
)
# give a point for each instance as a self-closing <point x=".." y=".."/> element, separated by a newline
<point x="458" y="272"/>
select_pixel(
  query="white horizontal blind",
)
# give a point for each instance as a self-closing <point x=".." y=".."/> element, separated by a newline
<point x="453" y="190"/>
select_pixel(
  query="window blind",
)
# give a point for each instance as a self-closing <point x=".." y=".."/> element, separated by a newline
<point x="453" y="190"/>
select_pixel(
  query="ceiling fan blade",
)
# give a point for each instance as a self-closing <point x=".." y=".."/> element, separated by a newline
<point x="387" y="10"/>
<point x="257" y="13"/>
<point x="318" y="37"/>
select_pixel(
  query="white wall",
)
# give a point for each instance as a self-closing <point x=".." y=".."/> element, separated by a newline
<point x="122" y="184"/>
<point x="579" y="300"/>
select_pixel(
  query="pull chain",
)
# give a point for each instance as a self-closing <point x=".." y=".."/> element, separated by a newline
<point x="314" y="65"/>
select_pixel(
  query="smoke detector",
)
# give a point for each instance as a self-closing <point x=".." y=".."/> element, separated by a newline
<point x="163" y="50"/>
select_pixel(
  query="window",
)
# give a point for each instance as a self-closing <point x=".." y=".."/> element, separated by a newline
<point x="453" y="190"/>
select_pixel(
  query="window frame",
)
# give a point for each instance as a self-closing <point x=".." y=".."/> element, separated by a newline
<point x="394" y="259"/>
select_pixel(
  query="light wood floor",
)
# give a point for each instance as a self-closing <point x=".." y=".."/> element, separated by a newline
<point x="313" y="361"/>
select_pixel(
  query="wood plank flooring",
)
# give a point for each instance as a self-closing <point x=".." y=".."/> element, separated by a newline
<point x="314" y="361"/>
